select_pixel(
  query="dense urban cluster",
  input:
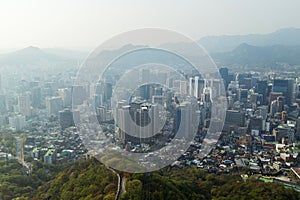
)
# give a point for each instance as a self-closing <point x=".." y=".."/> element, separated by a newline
<point x="261" y="129"/>
<point x="260" y="135"/>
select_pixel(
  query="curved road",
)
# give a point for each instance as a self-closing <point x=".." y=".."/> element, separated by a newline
<point x="121" y="183"/>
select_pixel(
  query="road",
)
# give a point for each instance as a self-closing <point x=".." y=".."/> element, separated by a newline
<point x="121" y="184"/>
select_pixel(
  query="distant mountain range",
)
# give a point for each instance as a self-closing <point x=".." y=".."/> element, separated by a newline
<point x="248" y="55"/>
<point x="227" y="43"/>
<point x="34" y="56"/>
<point x="282" y="46"/>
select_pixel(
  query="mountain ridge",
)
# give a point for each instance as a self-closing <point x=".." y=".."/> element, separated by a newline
<point x="252" y="49"/>
<point x="35" y="56"/>
<point x="225" y="43"/>
<point x="246" y="54"/>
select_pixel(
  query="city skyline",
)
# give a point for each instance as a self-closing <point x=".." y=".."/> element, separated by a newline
<point x="153" y="99"/>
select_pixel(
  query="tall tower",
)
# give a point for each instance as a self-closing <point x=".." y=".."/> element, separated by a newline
<point x="65" y="94"/>
<point x="2" y="104"/>
<point x="36" y="97"/>
<point x="286" y="86"/>
<point x="196" y="88"/>
<point x="224" y="74"/>
<point x="146" y="120"/>
<point x="261" y="88"/>
<point x="24" y="104"/>
<point x="54" y="105"/>
<point x="66" y="118"/>
<point x="191" y="86"/>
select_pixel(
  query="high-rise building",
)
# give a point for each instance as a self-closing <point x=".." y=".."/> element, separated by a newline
<point x="107" y="92"/>
<point x="275" y="95"/>
<point x="183" y="87"/>
<point x="191" y="86"/>
<point x="185" y="121"/>
<point x="53" y="105"/>
<point x="145" y="92"/>
<point x="66" y="118"/>
<point x="286" y="87"/>
<point x="78" y="94"/>
<point x="297" y="135"/>
<point x="196" y="86"/>
<point x="273" y="107"/>
<point x="101" y="113"/>
<point x="145" y="118"/>
<point x="2" y="104"/>
<point x="24" y="104"/>
<point x="256" y="99"/>
<point x="242" y="79"/>
<point x="36" y="97"/>
<point x="66" y="96"/>
<point x="97" y="94"/>
<point x="243" y="95"/>
<point x="224" y="74"/>
<point x="297" y="91"/>
<point x="262" y="88"/>
<point x="263" y="111"/>
<point x="280" y="103"/>
<point x="216" y="87"/>
<point x="234" y="119"/>
<point x="256" y="124"/>
<point x="283" y="131"/>
<point x="10" y="102"/>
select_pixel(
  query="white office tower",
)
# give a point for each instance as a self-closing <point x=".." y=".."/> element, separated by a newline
<point x="191" y="86"/>
<point x="216" y="87"/>
<point x="138" y="122"/>
<point x="196" y="88"/>
<point x="186" y="122"/>
<point x="24" y="104"/>
<point x="66" y="96"/>
<point x="53" y="105"/>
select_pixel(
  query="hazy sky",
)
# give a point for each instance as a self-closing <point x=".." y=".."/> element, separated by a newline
<point x="85" y="24"/>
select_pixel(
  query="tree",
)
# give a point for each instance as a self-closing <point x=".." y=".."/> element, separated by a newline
<point x="135" y="189"/>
